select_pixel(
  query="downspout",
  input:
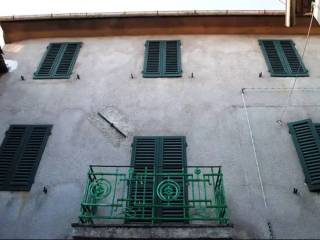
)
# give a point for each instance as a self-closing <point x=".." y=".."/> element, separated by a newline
<point x="290" y="13"/>
<point x="1" y="38"/>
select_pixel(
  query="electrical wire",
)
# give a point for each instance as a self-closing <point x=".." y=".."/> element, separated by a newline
<point x="254" y="149"/>
<point x="257" y="163"/>
<point x="295" y="79"/>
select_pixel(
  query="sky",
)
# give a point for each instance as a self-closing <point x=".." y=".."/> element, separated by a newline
<point x="30" y="7"/>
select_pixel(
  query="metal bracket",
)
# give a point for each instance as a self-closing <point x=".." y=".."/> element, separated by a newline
<point x="112" y="125"/>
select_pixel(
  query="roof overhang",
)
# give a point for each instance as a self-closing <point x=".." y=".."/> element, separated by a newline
<point x="18" y="28"/>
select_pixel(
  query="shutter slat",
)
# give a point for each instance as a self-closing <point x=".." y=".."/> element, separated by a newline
<point x="308" y="150"/>
<point x="26" y="144"/>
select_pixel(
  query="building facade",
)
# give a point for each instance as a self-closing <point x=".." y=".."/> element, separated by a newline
<point x="225" y="101"/>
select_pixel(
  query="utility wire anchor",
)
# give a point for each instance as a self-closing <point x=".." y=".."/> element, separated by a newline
<point x="279" y="122"/>
<point x="270" y="230"/>
<point x="112" y="125"/>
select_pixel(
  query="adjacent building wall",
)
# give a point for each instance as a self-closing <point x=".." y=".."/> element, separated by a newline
<point x="303" y="7"/>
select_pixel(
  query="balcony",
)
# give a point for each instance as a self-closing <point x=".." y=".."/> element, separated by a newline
<point x="118" y="195"/>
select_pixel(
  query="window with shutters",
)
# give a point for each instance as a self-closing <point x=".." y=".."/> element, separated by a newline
<point x="165" y="156"/>
<point x="283" y="59"/>
<point x="20" y="154"/>
<point x="58" y="61"/>
<point x="305" y="136"/>
<point x="162" y="59"/>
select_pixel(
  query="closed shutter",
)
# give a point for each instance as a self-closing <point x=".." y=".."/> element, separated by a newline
<point x="152" y="58"/>
<point x="144" y="159"/>
<point x="295" y="65"/>
<point x="173" y="161"/>
<point x="172" y="58"/>
<point x="58" y="61"/>
<point x="162" y="59"/>
<point x="162" y="155"/>
<point x="20" y="154"/>
<point x="283" y="59"/>
<point x="307" y="144"/>
<point x="68" y="59"/>
<point x="273" y="58"/>
<point x="47" y="65"/>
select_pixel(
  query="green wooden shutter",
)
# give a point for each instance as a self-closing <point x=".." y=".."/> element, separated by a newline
<point x="172" y="64"/>
<point x="144" y="157"/>
<point x="162" y="155"/>
<point x="173" y="161"/>
<point x="20" y="154"/>
<point x="48" y="62"/>
<point x="273" y="58"/>
<point x="152" y="59"/>
<point x="58" y="61"/>
<point x="307" y="143"/>
<point x="294" y="62"/>
<point x="162" y="59"/>
<point x="68" y="59"/>
<point x="282" y="58"/>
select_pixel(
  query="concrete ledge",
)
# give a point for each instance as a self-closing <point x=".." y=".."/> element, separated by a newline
<point x="173" y="231"/>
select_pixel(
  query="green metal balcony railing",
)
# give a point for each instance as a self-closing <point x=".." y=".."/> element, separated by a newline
<point x="118" y="194"/>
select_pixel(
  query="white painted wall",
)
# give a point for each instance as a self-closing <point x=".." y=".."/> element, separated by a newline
<point x="207" y="109"/>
